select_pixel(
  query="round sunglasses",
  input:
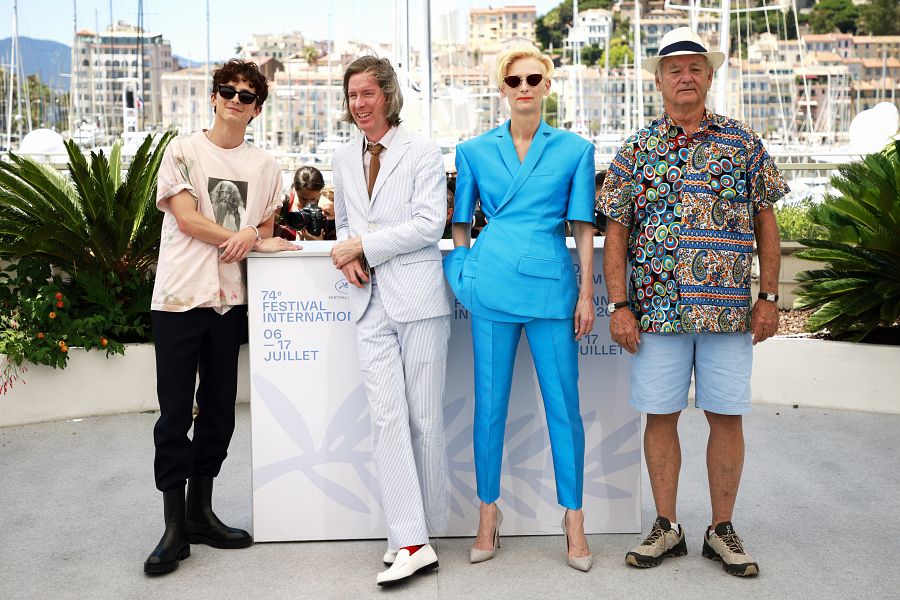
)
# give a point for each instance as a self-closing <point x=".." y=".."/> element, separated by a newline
<point x="227" y="92"/>
<point x="515" y="81"/>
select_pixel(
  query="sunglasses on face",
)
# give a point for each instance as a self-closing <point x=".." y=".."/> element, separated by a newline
<point x="515" y="81"/>
<point x="227" y="92"/>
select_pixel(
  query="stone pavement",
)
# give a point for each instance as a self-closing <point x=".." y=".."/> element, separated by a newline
<point x="819" y="509"/>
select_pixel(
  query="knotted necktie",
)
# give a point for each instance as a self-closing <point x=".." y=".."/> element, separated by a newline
<point x="374" y="165"/>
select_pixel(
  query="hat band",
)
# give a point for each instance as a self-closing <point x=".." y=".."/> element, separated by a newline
<point x="682" y="47"/>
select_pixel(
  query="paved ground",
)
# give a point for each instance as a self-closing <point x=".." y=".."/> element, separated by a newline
<point x="818" y="509"/>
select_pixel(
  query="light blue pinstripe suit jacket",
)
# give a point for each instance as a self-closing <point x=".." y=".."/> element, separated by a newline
<point x="400" y="226"/>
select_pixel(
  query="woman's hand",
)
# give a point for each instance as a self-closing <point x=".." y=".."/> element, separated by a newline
<point x="584" y="316"/>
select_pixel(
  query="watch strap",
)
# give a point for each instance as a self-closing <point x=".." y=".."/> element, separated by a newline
<point x="614" y="306"/>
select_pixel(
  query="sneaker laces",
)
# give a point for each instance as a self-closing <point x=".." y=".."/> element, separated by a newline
<point x="733" y="543"/>
<point x="655" y="533"/>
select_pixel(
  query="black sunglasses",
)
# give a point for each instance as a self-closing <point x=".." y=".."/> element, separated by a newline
<point x="228" y="92"/>
<point x="515" y="81"/>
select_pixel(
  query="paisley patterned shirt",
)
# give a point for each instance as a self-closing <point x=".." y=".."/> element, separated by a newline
<point x="690" y="202"/>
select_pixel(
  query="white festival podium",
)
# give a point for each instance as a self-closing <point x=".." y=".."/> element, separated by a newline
<point x="313" y="474"/>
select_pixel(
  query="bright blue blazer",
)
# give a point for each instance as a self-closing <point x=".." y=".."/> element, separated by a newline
<point x="519" y="267"/>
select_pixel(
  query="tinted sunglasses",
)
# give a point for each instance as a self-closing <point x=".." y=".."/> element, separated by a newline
<point x="227" y="92"/>
<point x="515" y="81"/>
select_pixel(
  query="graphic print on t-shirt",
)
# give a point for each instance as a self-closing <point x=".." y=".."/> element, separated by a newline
<point x="229" y="201"/>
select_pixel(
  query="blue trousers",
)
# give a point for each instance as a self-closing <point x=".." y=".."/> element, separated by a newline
<point x="555" y="354"/>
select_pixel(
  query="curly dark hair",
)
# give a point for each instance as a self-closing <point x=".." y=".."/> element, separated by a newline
<point x="242" y="70"/>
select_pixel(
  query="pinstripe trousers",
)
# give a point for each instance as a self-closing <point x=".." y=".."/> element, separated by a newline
<point x="403" y="367"/>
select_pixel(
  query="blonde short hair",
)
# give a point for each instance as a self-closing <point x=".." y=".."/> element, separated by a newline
<point x="514" y="54"/>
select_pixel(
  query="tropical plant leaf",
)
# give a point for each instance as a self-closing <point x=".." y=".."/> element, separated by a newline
<point x="858" y="290"/>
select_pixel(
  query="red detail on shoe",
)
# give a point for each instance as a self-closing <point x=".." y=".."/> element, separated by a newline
<point x="413" y="549"/>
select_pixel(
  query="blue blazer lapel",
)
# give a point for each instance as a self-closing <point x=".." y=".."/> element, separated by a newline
<point x="507" y="149"/>
<point x="538" y="143"/>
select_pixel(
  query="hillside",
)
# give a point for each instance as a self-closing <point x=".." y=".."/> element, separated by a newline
<point x="47" y="59"/>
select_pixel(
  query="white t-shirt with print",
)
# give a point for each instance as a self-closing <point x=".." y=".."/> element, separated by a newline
<point x="234" y="187"/>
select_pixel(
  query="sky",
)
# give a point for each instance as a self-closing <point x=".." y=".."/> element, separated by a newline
<point x="183" y="22"/>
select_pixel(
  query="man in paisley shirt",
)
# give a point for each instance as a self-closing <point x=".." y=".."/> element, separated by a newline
<point x="685" y="198"/>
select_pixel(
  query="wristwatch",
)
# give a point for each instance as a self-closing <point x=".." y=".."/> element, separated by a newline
<point x="614" y="306"/>
<point x="769" y="297"/>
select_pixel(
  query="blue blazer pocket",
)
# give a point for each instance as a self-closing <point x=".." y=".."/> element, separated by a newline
<point x="456" y="268"/>
<point x="545" y="268"/>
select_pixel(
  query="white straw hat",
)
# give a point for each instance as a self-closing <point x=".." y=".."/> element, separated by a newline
<point x="680" y="41"/>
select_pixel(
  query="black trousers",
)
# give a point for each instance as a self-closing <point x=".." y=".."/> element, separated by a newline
<point x="197" y="341"/>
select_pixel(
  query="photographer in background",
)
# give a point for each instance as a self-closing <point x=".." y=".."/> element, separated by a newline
<point x="300" y="214"/>
<point x="326" y="203"/>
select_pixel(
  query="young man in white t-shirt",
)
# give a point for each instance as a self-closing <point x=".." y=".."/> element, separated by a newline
<point x="219" y="194"/>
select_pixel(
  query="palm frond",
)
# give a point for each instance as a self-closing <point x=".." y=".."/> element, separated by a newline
<point x="858" y="291"/>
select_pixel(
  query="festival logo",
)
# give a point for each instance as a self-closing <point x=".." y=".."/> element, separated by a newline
<point x="342" y="287"/>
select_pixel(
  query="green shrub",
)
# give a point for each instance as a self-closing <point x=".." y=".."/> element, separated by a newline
<point x="88" y="242"/>
<point x="795" y="221"/>
<point x="857" y="294"/>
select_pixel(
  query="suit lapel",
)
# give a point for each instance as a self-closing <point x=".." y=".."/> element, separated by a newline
<point x="357" y="173"/>
<point x="399" y="145"/>
<point x="507" y="149"/>
<point x="538" y="143"/>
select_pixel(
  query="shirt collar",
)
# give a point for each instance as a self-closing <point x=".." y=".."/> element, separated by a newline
<point x="384" y="141"/>
<point x="710" y="120"/>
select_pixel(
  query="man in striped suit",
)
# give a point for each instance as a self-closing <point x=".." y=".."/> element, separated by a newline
<point x="390" y="206"/>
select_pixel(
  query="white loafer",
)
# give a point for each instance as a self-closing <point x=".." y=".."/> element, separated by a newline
<point x="406" y="565"/>
<point x="389" y="557"/>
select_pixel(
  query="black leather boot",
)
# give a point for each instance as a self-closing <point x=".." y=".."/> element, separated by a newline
<point x="174" y="545"/>
<point x="203" y="526"/>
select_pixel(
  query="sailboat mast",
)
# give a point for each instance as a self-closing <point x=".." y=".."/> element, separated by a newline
<point x="724" y="43"/>
<point x="638" y="72"/>
<point x="427" y="92"/>
<point x="208" y="105"/>
<point x="73" y="102"/>
<point x="12" y="70"/>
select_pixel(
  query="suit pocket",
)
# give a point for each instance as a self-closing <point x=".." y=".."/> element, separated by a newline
<point x="423" y="255"/>
<point x="456" y="266"/>
<point x="470" y="267"/>
<point x="540" y="267"/>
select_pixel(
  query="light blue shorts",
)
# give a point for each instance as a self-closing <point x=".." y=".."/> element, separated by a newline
<point x="721" y="363"/>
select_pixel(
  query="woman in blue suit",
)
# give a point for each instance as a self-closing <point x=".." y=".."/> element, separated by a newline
<point x="530" y="179"/>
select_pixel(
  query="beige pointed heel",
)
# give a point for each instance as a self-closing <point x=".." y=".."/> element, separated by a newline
<point x="582" y="563"/>
<point x="476" y="555"/>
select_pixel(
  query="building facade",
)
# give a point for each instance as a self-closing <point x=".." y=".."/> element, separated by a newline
<point x="491" y="28"/>
<point x="117" y="77"/>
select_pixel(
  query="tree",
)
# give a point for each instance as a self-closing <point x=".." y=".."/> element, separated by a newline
<point x="46" y="107"/>
<point x="881" y="17"/>
<point x="311" y="55"/>
<point x="553" y="27"/>
<point x="551" y="109"/>
<point x="591" y="54"/>
<point x="828" y="15"/>
<point x="620" y="52"/>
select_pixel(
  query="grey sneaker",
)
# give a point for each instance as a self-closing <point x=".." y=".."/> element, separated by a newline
<point x="725" y="545"/>
<point x="662" y="542"/>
